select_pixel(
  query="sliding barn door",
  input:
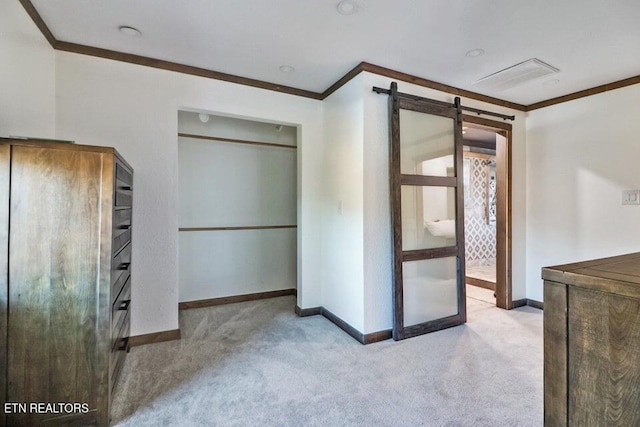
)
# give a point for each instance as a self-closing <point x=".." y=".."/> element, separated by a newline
<point x="427" y="213"/>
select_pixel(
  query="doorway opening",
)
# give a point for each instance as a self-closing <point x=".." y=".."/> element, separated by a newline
<point x="237" y="210"/>
<point x="487" y="213"/>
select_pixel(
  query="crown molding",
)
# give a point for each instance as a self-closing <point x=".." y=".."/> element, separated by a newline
<point x="584" y="93"/>
<point x="419" y="81"/>
<point x="180" y="68"/>
<point x="344" y="80"/>
<point x="398" y="75"/>
<point x="37" y="19"/>
<point x="156" y="63"/>
<point x="363" y="66"/>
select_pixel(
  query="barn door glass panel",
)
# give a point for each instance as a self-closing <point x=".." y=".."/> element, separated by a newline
<point x="427" y="215"/>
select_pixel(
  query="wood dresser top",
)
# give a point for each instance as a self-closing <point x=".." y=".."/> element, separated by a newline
<point x="618" y="275"/>
<point x="62" y="145"/>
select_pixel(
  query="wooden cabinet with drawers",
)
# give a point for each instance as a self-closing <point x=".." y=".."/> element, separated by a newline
<point x="592" y="343"/>
<point x="65" y="280"/>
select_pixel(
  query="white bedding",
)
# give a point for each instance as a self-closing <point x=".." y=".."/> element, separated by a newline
<point x="443" y="228"/>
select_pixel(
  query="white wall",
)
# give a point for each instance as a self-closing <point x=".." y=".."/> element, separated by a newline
<point x="134" y="109"/>
<point x="215" y="264"/>
<point x="377" y="222"/>
<point x="581" y="155"/>
<point x="343" y="216"/>
<point x="27" y="83"/>
<point x="234" y="185"/>
<point x="224" y="184"/>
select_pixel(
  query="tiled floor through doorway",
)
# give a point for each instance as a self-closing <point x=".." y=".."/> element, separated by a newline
<point x="482" y="272"/>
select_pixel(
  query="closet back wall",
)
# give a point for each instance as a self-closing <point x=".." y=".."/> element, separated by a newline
<point x="228" y="184"/>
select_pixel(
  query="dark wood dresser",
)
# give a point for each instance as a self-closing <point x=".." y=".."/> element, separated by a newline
<point x="592" y="343"/>
<point x="65" y="284"/>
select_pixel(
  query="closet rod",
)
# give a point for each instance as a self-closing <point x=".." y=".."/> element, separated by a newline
<point x="236" y="141"/>
<point x="380" y="90"/>
<point x="249" y="227"/>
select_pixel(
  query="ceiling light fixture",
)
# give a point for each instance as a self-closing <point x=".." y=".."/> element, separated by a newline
<point x="474" y="53"/>
<point x="286" y="68"/>
<point x="204" y="118"/>
<point x="347" y="7"/>
<point x="129" y="31"/>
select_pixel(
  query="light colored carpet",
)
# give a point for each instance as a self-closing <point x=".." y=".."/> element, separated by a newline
<point x="257" y="364"/>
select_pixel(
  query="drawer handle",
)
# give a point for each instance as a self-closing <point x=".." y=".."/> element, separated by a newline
<point x="124" y="305"/>
<point x="125" y="227"/>
<point x="126" y="188"/>
<point x="125" y="266"/>
<point x="124" y="345"/>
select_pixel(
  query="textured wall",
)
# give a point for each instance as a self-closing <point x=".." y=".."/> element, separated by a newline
<point x="581" y="155"/>
<point x="342" y="210"/>
<point x="27" y="70"/>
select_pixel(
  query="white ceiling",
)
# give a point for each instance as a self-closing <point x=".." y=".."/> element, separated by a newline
<point x="478" y="134"/>
<point x="592" y="42"/>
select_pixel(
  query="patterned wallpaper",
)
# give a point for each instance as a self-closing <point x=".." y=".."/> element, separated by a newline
<point x="480" y="232"/>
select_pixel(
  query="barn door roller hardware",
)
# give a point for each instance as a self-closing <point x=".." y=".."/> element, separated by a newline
<point x="478" y="111"/>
